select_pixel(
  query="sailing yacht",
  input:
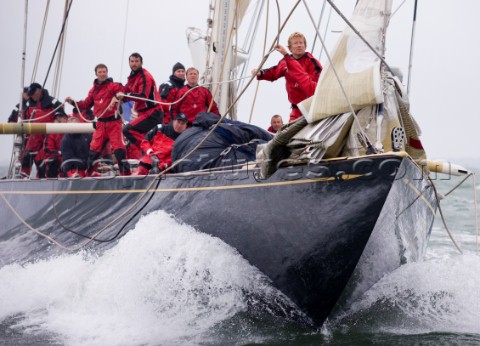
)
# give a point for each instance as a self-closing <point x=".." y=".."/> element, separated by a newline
<point x="334" y="201"/>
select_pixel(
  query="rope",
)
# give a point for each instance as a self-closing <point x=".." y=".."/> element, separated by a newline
<point x="184" y="95"/>
<point x="476" y="211"/>
<point x="443" y="217"/>
<point x="112" y="102"/>
<point x="31" y="120"/>
<point x="458" y="185"/>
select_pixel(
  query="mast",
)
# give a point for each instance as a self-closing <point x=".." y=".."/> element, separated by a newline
<point x="224" y="25"/>
<point x="15" y="165"/>
<point x="223" y="54"/>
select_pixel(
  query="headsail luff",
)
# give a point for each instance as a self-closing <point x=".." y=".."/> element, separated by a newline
<point x="357" y="67"/>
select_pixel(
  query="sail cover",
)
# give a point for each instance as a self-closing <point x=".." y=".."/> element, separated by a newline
<point x="358" y="68"/>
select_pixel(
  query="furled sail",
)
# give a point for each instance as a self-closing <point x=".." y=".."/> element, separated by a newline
<point x="357" y="67"/>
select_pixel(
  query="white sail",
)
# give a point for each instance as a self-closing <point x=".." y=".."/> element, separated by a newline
<point x="357" y="67"/>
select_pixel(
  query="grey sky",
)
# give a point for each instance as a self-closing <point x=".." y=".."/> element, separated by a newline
<point x="444" y="84"/>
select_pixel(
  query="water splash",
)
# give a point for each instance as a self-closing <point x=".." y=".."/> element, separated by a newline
<point x="162" y="283"/>
<point x="440" y="295"/>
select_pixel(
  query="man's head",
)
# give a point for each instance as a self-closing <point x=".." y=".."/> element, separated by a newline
<point x="276" y="122"/>
<point x="25" y="93"/>
<point x="35" y="91"/>
<point x="135" y="61"/>
<point x="59" y="117"/>
<point x="192" y="76"/>
<point x="180" y="123"/>
<point x="101" y="71"/>
<point x="73" y="119"/>
<point x="178" y="70"/>
<point x="297" y="44"/>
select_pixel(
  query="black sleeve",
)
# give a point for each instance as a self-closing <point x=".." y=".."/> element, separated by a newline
<point x="164" y="90"/>
<point x="13" y="118"/>
<point x="150" y="134"/>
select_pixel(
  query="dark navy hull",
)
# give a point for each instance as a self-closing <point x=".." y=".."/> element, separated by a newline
<point x="306" y="227"/>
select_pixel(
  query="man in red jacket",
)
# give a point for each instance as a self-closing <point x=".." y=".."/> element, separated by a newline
<point x="276" y="124"/>
<point x="109" y="125"/>
<point x="169" y="89"/>
<point x="158" y="145"/>
<point x="52" y="152"/>
<point x="193" y="99"/>
<point x="300" y="69"/>
<point x="41" y="108"/>
<point x="140" y="84"/>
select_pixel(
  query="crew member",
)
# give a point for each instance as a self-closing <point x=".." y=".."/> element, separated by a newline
<point x="169" y="89"/>
<point x="149" y="112"/>
<point x="158" y="145"/>
<point x="300" y="69"/>
<point x="193" y="99"/>
<point x="109" y="124"/>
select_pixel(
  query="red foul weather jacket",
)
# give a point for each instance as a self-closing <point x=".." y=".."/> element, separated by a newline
<point x="162" y="146"/>
<point x="141" y="84"/>
<point x="41" y="112"/>
<point x="100" y="96"/>
<point x="196" y="101"/>
<point x="301" y="77"/>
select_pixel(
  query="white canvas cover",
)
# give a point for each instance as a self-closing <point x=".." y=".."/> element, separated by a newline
<point x="358" y="68"/>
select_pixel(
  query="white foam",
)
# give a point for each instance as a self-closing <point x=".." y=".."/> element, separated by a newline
<point x="437" y="295"/>
<point x="163" y="282"/>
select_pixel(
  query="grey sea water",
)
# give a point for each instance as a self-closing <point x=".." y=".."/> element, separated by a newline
<point x="166" y="284"/>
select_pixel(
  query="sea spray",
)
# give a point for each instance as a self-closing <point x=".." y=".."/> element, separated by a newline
<point x="163" y="282"/>
<point x="439" y="295"/>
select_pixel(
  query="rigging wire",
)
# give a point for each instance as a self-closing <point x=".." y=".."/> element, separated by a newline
<point x="318" y="24"/>
<point x="124" y="39"/>
<point x="279" y="19"/>
<point x="476" y="211"/>
<point x="58" y="42"/>
<point x="325" y="33"/>
<point x="412" y="40"/>
<point x="40" y="42"/>
<point x="356" y="32"/>
<point x="15" y="155"/>
<point x="251" y="34"/>
<point x="443" y="217"/>
<point x="263" y="53"/>
<point x="61" y="54"/>
<point x="399" y="6"/>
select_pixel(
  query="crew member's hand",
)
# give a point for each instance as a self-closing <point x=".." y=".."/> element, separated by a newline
<point x="120" y="95"/>
<point x="256" y="72"/>
<point x="69" y="100"/>
<point x="281" y="49"/>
